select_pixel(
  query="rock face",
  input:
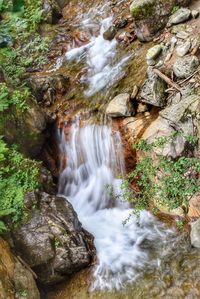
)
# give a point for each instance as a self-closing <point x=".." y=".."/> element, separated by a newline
<point x="153" y="90"/>
<point x="53" y="10"/>
<point x="30" y="124"/>
<point x="150" y="16"/>
<point x="16" y="281"/>
<point x="47" y="88"/>
<point x="120" y="106"/>
<point x="195" y="234"/>
<point x="185" y="66"/>
<point x="53" y="241"/>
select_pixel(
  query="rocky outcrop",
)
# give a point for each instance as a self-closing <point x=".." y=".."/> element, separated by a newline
<point x="26" y="128"/>
<point x="150" y="16"/>
<point x="181" y="117"/>
<point x="16" y="281"/>
<point x="52" y="241"/>
<point x="195" y="234"/>
<point x="120" y="106"/>
<point x="47" y="89"/>
<point x="153" y="90"/>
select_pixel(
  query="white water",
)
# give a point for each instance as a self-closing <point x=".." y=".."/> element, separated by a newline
<point x="94" y="158"/>
<point x="98" y="54"/>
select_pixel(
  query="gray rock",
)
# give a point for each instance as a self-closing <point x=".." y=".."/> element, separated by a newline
<point x="52" y="240"/>
<point x="153" y="90"/>
<point x="195" y="234"/>
<point x="179" y="117"/>
<point x="180" y="16"/>
<point x="120" y="106"/>
<point x="185" y="66"/>
<point x="182" y="34"/>
<point x="153" y="54"/>
<point x="52" y="11"/>
<point x="183" y="49"/>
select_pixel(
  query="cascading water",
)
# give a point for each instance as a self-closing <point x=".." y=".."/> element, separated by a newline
<point x="94" y="158"/>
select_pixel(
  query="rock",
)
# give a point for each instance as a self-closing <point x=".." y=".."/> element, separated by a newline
<point x="150" y="16"/>
<point x="195" y="13"/>
<point x="121" y="24"/>
<point x="16" y="281"/>
<point x="134" y="92"/>
<point x="180" y="16"/>
<point x="182" y="34"/>
<point x="120" y="106"/>
<point x="142" y="108"/>
<point x="195" y="234"/>
<point x="31" y="124"/>
<point x="52" y="11"/>
<point x="153" y="90"/>
<point x="175" y="118"/>
<point x="47" y="88"/>
<point x="194" y="206"/>
<point x="153" y="54"/>
<point x="186" y="66"/>
<point x="62" y="3"/>
<point x="52" y="240"/>
<point x="183" y="49"/>
<point x="110" y="33"/>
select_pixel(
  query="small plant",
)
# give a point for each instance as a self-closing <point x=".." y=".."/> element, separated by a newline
<point x="175" y="8"/>
<point x="180" y="224"/>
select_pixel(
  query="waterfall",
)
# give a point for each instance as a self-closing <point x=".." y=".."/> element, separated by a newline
<point x="94" y="163"/>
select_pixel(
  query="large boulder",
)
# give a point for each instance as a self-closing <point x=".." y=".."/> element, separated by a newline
<point x="52" y="240"/>
<point x="153" y="90"/>
<point x="120" y="106"/>
<point x="150" y="16"/>
<point x="16" y="280"/>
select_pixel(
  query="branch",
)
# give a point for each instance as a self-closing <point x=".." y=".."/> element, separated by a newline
<point x="167" y="80"/>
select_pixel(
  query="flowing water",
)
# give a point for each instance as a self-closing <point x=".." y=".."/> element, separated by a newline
<point x="126" y="244"/>
<point x="137" y="256"/>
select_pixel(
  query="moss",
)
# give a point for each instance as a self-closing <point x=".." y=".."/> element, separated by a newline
<point x="145" y="8"/>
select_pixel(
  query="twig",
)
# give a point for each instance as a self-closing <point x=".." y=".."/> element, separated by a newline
<point x="188" y="78"/>
<point x="167" y="80"/>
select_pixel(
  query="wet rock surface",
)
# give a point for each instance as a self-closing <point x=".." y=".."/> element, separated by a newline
<point x="52" y="241"/>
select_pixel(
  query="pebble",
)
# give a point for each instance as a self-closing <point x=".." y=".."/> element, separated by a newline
<point x="182" y="35"/>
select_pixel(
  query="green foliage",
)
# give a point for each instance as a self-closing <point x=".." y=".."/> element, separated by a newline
<point x="17" y="98"/>
<point x="175" y="8"/>
<point x="168" y="182"/>
<point x="18" y="175"/>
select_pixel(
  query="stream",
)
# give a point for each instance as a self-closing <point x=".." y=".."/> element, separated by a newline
<point x="137" y="255"/>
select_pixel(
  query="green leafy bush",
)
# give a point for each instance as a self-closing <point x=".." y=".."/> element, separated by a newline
<point x="18" y="175"/>
<point x="168" y="182"/>
<point x="17" y="98"/>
